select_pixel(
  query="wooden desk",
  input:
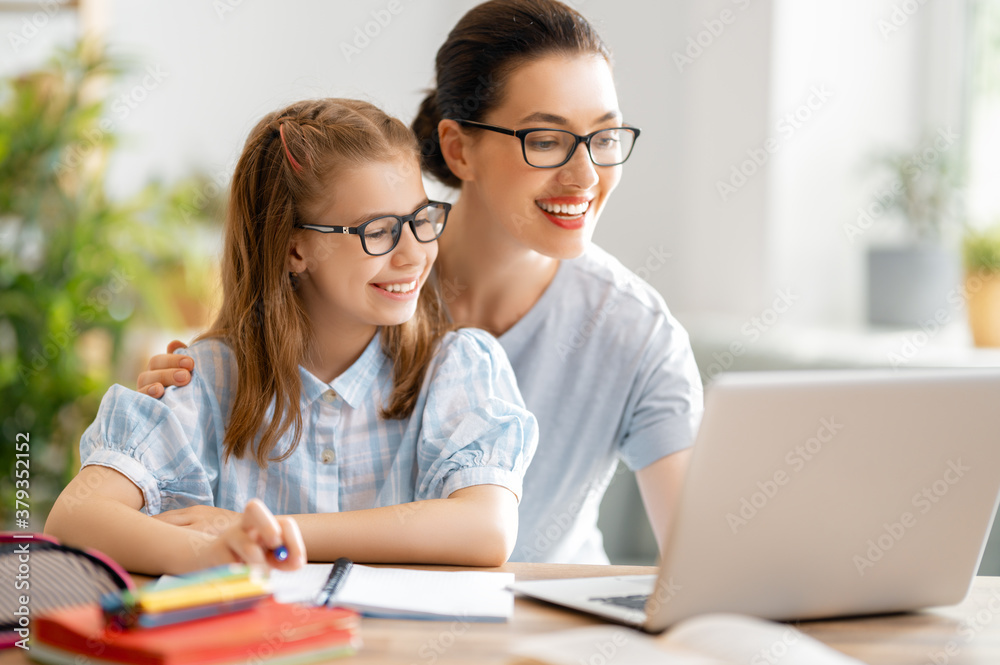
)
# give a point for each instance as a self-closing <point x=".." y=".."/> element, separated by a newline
<point x="966" y="634"/>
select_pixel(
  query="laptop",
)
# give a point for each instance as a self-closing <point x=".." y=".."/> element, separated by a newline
<point x="820" y="494"/>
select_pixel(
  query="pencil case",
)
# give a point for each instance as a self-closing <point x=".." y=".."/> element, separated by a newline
<point x="41" y="574"/>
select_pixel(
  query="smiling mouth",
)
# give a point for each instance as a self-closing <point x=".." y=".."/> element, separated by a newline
<point x="564" y="210"/>
<point x="403" y="287"/>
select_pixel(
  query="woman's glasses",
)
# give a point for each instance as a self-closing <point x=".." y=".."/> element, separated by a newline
<point x="381" y="235"/>
<point x="551" y="148"/>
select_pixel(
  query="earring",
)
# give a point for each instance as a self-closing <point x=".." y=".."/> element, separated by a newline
<point x="294" y="280"/>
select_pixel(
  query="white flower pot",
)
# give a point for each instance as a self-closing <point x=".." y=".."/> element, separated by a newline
<point x="910" y="285"/>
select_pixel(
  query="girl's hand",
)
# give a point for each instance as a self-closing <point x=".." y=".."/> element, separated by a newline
<point x="257" y="534"/>
<point x="166" y="370"/>
<point x="207" y="519"/>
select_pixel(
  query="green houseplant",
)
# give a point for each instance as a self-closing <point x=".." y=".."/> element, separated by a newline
<point x="76" y="267"/>
<point x="981" y="257"/>
<point x="909" y="280"/>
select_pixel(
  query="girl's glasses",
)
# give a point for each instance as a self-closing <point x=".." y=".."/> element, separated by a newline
<point x="551" y="148"/>
<point x="381" y="235"/>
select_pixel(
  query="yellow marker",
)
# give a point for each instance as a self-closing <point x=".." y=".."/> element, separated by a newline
<point x="224" y="573"/>
<point x="198" y="594"/>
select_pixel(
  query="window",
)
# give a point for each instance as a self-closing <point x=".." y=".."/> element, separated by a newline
<point x="983" y="114"/>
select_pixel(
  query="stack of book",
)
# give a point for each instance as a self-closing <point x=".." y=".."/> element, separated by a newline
<point x="215" y="618"/>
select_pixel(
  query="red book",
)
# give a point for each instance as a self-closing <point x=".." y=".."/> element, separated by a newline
<point x="271" y="632"/>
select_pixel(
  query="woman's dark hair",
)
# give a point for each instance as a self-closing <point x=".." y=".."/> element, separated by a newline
<point x="481" y="51"/>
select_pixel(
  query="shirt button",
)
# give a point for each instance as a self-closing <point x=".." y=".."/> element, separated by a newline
<point x="328" y="456"/>
<point x="330" y="396"/>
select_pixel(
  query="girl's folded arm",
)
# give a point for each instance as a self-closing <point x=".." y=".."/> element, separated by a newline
<point x="100" y="509"/>
<point x="473" y="526"/>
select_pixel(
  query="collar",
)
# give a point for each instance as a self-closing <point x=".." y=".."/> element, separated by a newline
<point x="354" y="385"/>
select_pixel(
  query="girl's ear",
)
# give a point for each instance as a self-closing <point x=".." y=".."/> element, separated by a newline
<point x="297" y="260"/>
<point x="455" y="148"/>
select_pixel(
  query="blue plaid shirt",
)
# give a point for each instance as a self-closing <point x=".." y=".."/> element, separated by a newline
<point x="469" y="428"/>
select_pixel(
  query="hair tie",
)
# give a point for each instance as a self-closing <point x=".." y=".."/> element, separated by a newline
<point x="291" y="160"/>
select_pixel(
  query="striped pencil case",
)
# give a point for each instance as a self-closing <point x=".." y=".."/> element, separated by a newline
<point x="40" y="574"/>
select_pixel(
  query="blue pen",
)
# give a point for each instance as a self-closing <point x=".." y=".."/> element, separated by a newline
<point x="280" y="553"/>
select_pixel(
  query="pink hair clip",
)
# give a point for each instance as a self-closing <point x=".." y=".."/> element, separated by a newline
<point x="291" y="160"/>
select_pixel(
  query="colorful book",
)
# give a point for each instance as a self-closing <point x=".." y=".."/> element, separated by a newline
<point x="277" y="633"/>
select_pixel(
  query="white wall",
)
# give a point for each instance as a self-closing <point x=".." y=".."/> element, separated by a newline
<point x="891" y="77"/>
<point x="696" y="117"/>
<point x="220" y="67"/>
<point x="819" y="173"/>
<point x="226" y="69"/>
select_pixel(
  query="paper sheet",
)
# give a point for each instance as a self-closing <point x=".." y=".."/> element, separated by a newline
<point x="299" y="586"/>
<point x="468" y="595"/>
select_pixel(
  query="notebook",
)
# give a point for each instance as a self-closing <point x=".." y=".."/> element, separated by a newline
<point x="270" y="631"/>
<point x="402" y="593"/>
<point x="821" y="494"/>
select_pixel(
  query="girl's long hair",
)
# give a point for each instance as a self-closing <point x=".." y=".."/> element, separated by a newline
<point x="262" y="319"/>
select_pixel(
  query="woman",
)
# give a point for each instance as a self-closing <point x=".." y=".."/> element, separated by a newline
<point x="599" y="359"/>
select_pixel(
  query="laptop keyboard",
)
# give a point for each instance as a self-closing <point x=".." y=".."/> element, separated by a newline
<point x="635" y="602"/>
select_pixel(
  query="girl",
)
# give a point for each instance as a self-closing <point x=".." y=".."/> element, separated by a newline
<point x="327" y="385"/>
<point x="599" y="359"/>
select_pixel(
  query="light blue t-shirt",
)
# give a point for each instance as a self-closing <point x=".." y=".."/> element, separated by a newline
<point x="609" y="374"/>
<point x="469" y="427"/>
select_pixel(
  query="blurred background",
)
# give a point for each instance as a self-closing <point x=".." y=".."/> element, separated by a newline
<point x="816" y="184"/>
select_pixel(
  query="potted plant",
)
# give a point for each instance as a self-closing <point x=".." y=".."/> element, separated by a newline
<point x="909" y="281"/>
<point x="77" y="266"/>
<point x="981" y="256"/>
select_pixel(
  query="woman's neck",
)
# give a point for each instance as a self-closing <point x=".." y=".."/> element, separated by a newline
<point x="488" y="280"/>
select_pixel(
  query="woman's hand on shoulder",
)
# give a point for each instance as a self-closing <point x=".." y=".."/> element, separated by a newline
<point x="166" y="369"/>
<point x="257" y="534"/>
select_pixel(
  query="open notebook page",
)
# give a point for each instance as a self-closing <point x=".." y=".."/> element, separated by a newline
<point x="398" y="592"/>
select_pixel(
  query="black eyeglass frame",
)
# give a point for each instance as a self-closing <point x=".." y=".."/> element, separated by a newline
<point x="359" y="230"/>
<point x="521" y="133"/>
